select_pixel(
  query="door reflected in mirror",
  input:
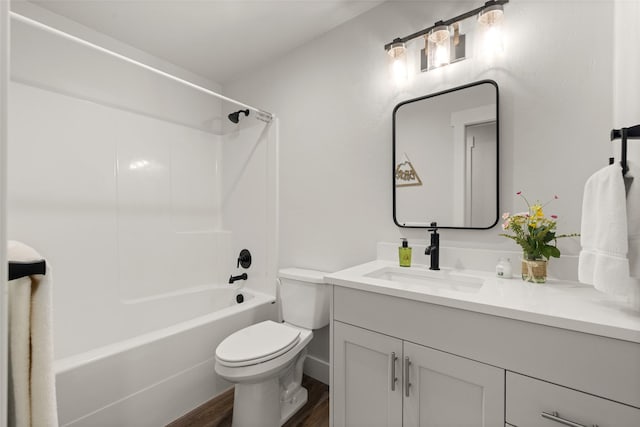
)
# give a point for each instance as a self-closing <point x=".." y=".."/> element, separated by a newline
<point x="445" y="158"/>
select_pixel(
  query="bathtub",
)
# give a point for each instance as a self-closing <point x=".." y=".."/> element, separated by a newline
<point x="155" y="377"/>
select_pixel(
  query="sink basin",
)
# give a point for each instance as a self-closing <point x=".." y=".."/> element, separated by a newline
<point x="450" y="280"/>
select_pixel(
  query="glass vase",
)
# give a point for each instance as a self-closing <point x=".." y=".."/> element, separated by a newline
<point x="534" y="269"/>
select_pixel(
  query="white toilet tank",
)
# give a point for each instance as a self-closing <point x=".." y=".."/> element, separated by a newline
<point x="305" y="297"/>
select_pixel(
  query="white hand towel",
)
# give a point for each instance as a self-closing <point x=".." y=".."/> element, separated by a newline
<point x="603" y="260"/>
<point x="33" y="394"/>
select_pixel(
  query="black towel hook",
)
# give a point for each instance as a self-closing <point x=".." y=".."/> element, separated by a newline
<point x="624" y="134"/>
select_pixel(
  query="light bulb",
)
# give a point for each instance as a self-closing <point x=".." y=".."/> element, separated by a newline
<point x="441" y="56"/>
<point x="399" y="69"/>
<point x="439" y="47"/>
<point x="493" y="40"/>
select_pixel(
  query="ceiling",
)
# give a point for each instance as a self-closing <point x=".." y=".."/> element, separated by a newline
<point x="217" y="39"/>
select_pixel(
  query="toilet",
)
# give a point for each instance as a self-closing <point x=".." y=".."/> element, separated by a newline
<point x="265" y="360"/>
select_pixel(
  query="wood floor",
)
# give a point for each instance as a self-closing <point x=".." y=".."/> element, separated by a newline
<point x="218" y="411"/>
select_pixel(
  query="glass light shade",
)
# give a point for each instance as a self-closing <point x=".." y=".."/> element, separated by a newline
<point x="491" y="19"/>
<point x="491" y="15"/>
<point x="398" y="66"/>
<point x="397" y="49"/>
<point x="438" y="47"/>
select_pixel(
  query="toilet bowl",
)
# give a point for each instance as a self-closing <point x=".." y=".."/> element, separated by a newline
<point x="265" y="360"/>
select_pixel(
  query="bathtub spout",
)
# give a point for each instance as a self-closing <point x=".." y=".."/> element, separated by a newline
<point x="242" y="276"/>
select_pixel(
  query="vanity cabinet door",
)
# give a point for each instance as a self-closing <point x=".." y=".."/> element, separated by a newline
<point x="362" y="378"/>
<point x="448" y="390"/>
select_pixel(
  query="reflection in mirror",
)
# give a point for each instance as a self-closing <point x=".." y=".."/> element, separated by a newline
<point x="445" y="158"/>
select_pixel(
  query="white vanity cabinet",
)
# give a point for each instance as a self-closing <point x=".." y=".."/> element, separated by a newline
<point x="472" y="369"/>
<point x="383" y="381"/>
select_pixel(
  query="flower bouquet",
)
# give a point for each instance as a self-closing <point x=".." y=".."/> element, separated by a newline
<point x="536" y="234"/>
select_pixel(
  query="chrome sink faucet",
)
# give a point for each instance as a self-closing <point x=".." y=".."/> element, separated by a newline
<point x="433" y="250"/>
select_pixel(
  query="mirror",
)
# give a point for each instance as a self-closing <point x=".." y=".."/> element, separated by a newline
<point x="445" y="158"/>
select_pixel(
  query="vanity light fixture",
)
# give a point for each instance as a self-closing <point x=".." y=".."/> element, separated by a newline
<point x="441" y="48"/>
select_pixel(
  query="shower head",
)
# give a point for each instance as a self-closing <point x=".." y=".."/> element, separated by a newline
<point x="235" y="117"/>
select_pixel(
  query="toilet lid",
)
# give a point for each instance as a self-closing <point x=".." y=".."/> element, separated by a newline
<point x="257" y="343"/>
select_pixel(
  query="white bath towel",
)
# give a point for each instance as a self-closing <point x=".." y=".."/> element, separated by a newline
<point x="605" y="238"/>
<point x="633" y="219"/>
<point x="32" y="391"/>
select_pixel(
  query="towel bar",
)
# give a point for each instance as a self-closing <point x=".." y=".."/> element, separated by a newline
<point x="632" y="132"/>
<point x="22" y="269"/>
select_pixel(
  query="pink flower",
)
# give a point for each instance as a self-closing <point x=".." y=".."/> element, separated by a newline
<point x="554" y="216"/>
<point x="505" y="215"/>
<point x="519" y="193"/>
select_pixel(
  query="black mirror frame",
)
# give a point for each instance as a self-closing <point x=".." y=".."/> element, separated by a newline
<point x="393" y="153"/>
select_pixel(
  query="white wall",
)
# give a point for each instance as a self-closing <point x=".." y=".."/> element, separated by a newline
<point x="4" y="86"/>
<point x="249" y="199"/>
<point x="334" y="97"/>
<point x="626" y="66"/>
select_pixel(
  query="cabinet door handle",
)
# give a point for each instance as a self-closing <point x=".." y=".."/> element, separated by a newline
<point x="394" y="379"/>
<point x="554" y="416"/>
<point x="407" y="383"/>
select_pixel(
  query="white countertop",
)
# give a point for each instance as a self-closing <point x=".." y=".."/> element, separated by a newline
<point x="561" y="304"/>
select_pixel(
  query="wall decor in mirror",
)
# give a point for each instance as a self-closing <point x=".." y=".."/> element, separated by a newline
<point x="445" y="158"/>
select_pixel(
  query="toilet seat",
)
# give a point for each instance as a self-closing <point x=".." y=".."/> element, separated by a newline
<point x="257" y="343"/>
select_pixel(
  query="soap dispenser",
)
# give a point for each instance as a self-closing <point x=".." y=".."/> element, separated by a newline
<point x="503" y="268"/>
<point x="404" y="254"/>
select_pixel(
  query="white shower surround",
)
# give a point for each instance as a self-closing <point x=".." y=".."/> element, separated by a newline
<point x="142" y="201"/>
